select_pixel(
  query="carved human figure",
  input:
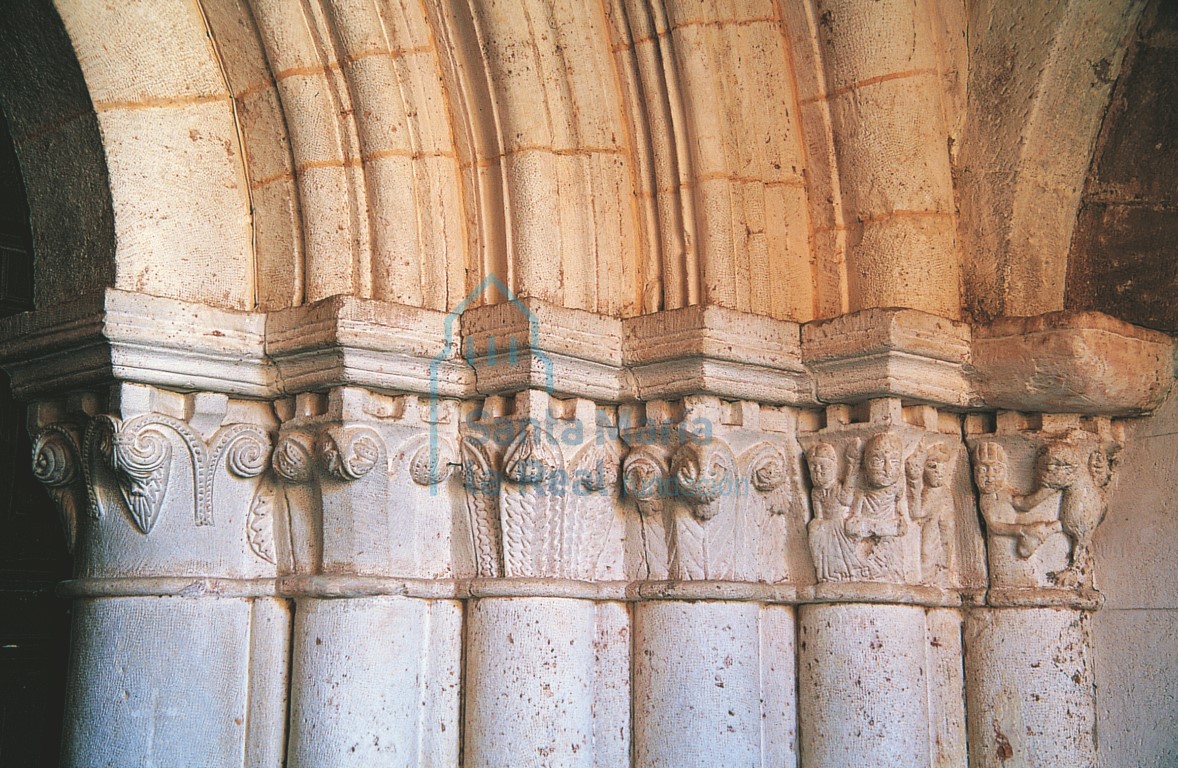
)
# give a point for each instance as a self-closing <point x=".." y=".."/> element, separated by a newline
<point x="879" y="514"/>
<point x="930" y="503"/>
<point x="834" y="552"/>
<point x="1082" y="506"/>
<point x="1000" y="505"/>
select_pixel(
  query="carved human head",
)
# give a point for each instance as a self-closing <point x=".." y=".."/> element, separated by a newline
<point x="882" y="460"/>
<point x="989" y="467"/>
<point x="1100" y="465"/>
<point x="1057" y="465"/>
<point x="937" y="464"/>
<point x="823" y="464"/>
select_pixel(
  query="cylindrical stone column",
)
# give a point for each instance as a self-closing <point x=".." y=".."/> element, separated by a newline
<point x="863" y="686"/>
<point x="375" y="682"/>
<point x="176" y="681"/>
<point x="529" y="682"/>
<point x="1029" y="688"/>
<point x="713" y="684"/>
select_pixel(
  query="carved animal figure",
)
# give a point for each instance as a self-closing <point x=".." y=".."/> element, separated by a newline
<point x="1082" y="506"/>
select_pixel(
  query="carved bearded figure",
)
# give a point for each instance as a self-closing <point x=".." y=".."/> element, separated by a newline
<point x="879" y="515"/>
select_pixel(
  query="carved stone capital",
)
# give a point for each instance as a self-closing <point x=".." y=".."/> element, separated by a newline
<point x="1043" y="486"/>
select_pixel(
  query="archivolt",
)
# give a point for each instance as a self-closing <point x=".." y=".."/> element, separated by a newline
<point x="783" y="157"/>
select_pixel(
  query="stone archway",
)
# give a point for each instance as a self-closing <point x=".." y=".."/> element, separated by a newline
<point x="769" y="443"/>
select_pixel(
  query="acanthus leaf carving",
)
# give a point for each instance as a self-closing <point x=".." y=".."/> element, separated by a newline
<point x="482" y="504"/>
<point x="644" y="479"/>
<point x="141" y="457"/>
<point x="593" y="477"/>
<point x="773" y="497"/>
<point x="136" y="456"/>
<point x="705" y="479"/>
<point x="772" y="475"/>
<point x="56" y="455"/>
<point x="531" y="504"/>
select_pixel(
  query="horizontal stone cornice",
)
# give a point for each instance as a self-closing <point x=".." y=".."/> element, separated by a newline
<point x="1085" y="363"/>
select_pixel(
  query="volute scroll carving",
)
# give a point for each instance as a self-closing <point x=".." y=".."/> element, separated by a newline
<point x="349" y="453"/>
<point x="293" y="458"/>
<point x="56" y="465"/>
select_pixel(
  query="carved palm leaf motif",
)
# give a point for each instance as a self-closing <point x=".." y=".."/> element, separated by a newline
<point x="259" y="524"/>
<point x="142" y="460"/>
<point x="482" y="496"/>
<point x="531" y="503"/>
<point x="590" y="512"/>
<point x="644" y="477"/>
<point x="705" y="477"/>
<point x="55" y="464"/>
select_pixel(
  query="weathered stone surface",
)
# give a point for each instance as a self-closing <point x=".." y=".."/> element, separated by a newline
<point x="1072" y="363"/>
<point x="889" y="353"/>
<point x="711" y="350"/>
<point x="558" y="387"/>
